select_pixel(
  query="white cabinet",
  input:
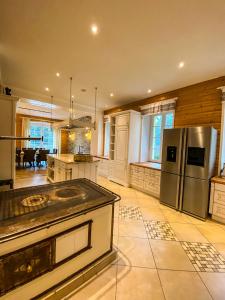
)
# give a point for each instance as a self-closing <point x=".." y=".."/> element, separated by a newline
<point x="103" y="167"/>
<point x="126" y="146"/>
<point x="63" y="168"/>
<point x="145" y="179"/>
<point x="217" y="202"/>
<point x="7" y="127"/>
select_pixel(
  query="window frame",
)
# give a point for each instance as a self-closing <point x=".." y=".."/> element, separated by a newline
<point x="42" y="125"/>
<point x="163" y="114"/>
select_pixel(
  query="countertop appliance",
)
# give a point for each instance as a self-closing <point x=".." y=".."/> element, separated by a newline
<point x="188" y="163"/>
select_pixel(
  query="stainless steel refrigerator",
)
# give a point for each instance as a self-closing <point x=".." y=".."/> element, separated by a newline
<point x="188" y="163"/>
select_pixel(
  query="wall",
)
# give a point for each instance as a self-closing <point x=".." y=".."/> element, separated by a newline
<point x="197" y="105"/>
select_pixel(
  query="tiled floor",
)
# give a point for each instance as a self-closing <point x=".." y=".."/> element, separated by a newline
<point x="162" y="254"/>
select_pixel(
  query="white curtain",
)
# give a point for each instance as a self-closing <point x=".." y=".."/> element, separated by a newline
<point x="25" y="131"/>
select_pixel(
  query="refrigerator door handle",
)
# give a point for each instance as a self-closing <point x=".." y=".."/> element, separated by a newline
<point x="180" y="207"/>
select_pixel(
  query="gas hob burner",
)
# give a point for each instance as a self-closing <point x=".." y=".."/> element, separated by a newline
<point x="70" y="193"/>
<point x="34" y="200"/>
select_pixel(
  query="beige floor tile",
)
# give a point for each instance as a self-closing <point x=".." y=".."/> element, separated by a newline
<point x="126" y="201"/>
<point x="188" y="233"/>
<point x="215" y="283"/>
<point x="180" y="285"/>
<point x="213" y="233"/>
<point x="170" y="255"/>
<point x="132" y="229"/>
<point x="115" y="228"/>
<point x="220" y="247"/>
<point x="149" y="203"/>
<point x="141" y="195"/>
<point x="102" y="286"/>
<point x="138" y="283"/>
<point x="175" y="216"/>
<point x="135" y="252"/>
<point x="150" y="213"/>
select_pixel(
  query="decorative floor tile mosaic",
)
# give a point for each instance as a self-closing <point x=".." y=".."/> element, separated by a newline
<point x="159" y="230"/>
<point x="130" y="212"/>
<point x="204" y="257"/>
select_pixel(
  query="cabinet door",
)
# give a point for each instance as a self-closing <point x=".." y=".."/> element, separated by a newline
<point x="121" y="144"/>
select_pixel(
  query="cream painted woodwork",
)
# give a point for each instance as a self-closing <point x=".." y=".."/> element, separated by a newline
<point x="217" y="202"/>
<point x="125" y="148"/>
<point x="101" y="231"/>
<point x="146" y="180"/>
<point x="62" y="168"/>
<point x="103" y="167"/>
<point x="7" y="127"/>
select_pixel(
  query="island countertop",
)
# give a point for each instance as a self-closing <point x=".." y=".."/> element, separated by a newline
<point x="56" y="210"/>
<point x="69" y="158"/>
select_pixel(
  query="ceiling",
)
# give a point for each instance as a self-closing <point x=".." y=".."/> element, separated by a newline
<point x="139" y="46"/>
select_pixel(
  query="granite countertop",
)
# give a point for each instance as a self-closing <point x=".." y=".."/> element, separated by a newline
<point x="218" y="179"/>
<point x="69" y="159"/>
<point x="102" y="157"/>
<point x="149" y="165"/>
<point x="56" y="211"/>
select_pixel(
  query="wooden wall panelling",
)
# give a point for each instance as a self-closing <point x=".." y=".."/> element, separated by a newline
<point x="197" y="105"/>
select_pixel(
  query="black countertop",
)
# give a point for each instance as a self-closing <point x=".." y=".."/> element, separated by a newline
<point x="19" y="221"/>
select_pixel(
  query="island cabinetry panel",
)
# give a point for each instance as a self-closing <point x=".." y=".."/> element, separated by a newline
<point x="145" y="179"/>
<point x="217" y="202"/>
<point x="67" y="169"/>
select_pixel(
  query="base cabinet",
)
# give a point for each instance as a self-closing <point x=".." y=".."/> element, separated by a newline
<point x="217" y="202"/>
<point x="146" y="180"/>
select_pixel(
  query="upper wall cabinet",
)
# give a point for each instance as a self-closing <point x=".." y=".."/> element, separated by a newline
<point x="124" y="144"/>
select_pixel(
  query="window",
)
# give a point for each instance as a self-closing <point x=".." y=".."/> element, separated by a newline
<point x="106" y="139"/>
<point x="158" y="123"/>
<point x="39" y="129"/>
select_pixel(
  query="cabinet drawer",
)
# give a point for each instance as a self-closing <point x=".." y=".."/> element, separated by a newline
<point x="219" y="210"/>
<point x="220" y="187"/>
<point x="219" y="197"/>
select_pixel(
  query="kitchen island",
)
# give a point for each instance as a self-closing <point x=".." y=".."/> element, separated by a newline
<point x="62" y="167"/>
<point x="50" y="234"/>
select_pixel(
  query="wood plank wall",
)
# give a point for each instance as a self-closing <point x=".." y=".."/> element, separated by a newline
<point x="197" y="105"/>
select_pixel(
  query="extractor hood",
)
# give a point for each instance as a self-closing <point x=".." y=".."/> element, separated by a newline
<point x="83" y="122"/>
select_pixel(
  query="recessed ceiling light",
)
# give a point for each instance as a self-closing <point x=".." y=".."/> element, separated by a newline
<point x="57" y="74"/>
<point x="111" y="95"/>
<point x="83" y="90"/>
<point x="47" y="89"/>
<point x="72" y="96"/>
<point x="181" y="65"/>
<point x="149" y="91"/>
<point x="94" y="29"/>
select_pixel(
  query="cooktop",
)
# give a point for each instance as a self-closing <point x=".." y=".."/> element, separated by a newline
<point x="50" y="197"/>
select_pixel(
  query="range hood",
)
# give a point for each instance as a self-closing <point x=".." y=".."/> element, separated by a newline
<point x="83" y="122"/>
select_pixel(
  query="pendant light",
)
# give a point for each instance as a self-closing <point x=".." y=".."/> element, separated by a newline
<point x="95" y="120"/>
<point x="71" y="104"/>
<point x="51" y="111"/>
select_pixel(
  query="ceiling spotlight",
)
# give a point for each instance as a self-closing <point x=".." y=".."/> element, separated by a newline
<point x="181" y="64"/>
<point x="47" y="89"/>
<point x="57" y="74"/>
<point x="111" y="95"/>
<point x="94" y="29"/>
<point x="149" y="91"/>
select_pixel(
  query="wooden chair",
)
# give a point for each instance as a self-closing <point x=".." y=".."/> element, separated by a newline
<point x="18" y="157"/>
<point x="29" y="157"/>
<point x="42" y="156"/>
